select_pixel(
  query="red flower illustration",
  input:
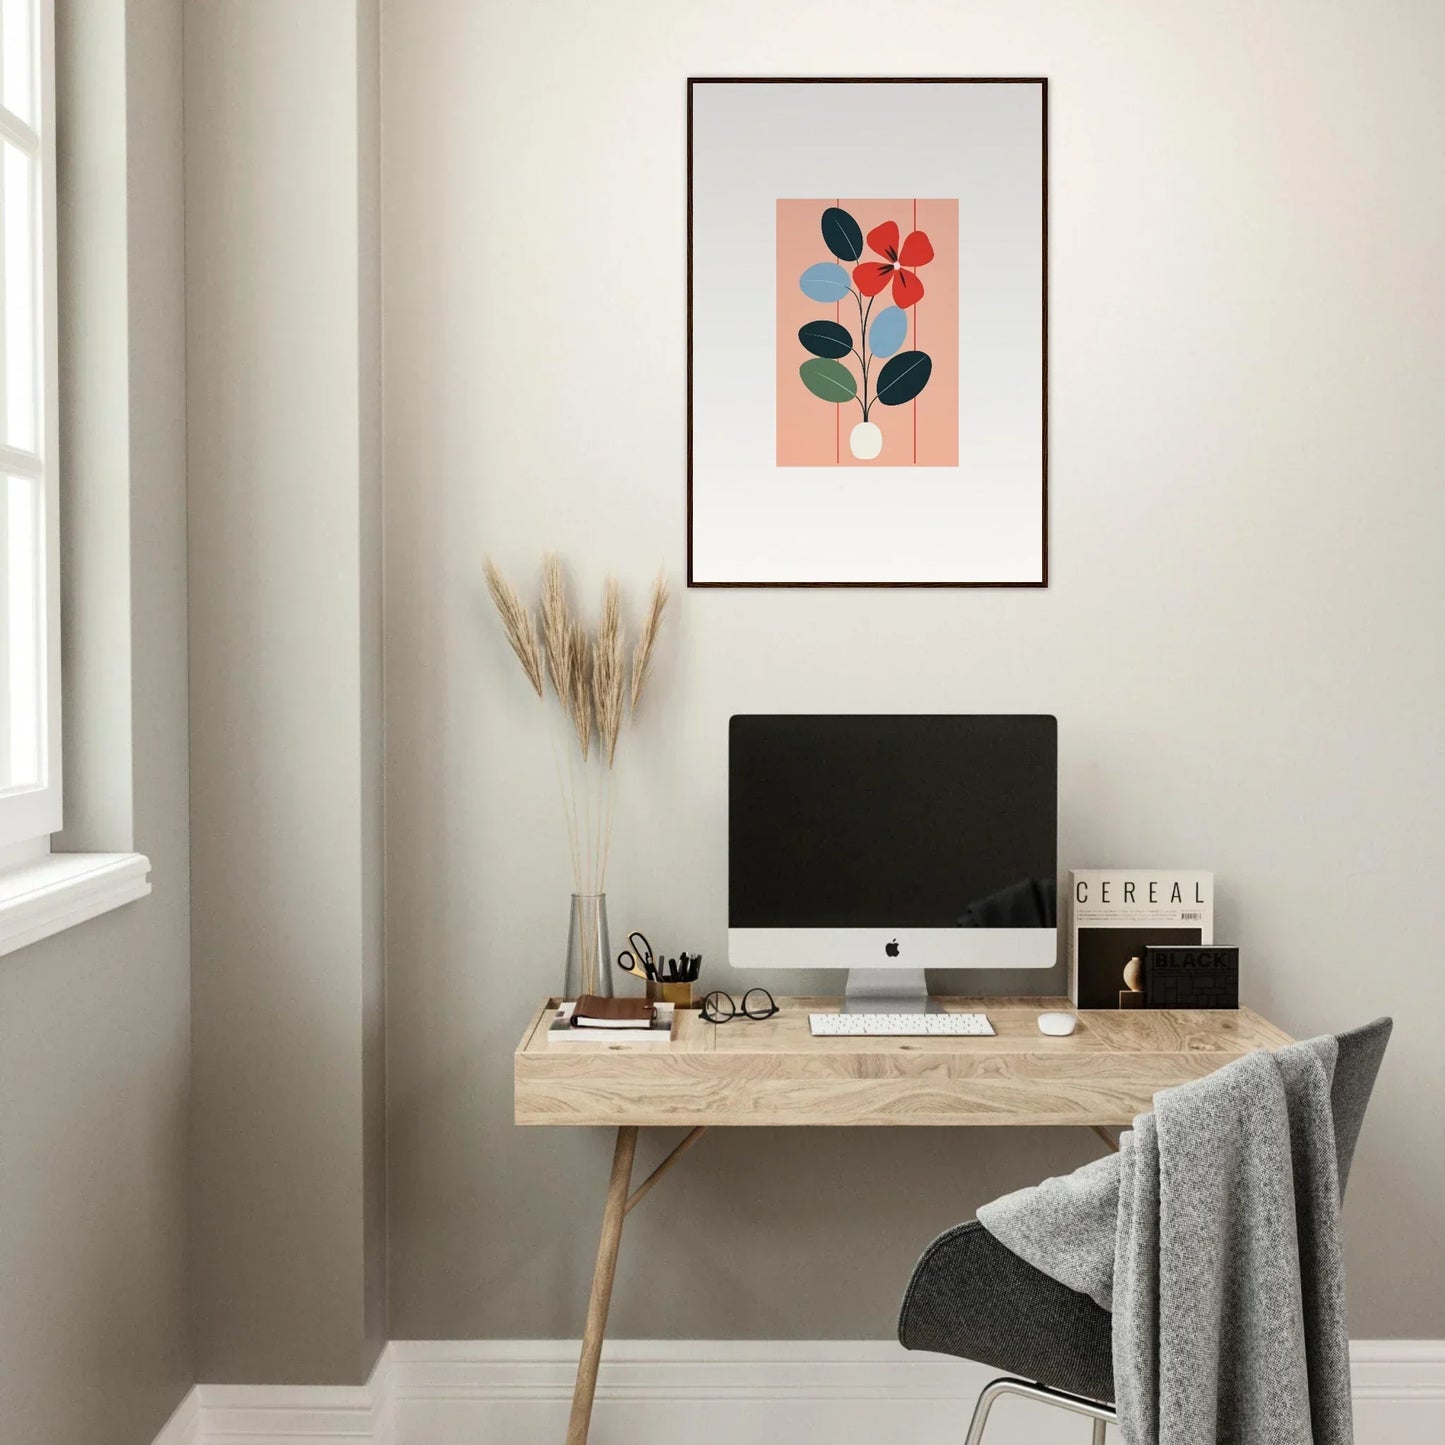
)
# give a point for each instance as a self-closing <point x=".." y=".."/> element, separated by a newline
<point x="871" y="277"/>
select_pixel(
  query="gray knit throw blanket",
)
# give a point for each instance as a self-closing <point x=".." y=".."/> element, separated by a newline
<point x="1213" y="1235"/>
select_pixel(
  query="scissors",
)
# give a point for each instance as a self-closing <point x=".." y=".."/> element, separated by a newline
<point x="637" y="959"/>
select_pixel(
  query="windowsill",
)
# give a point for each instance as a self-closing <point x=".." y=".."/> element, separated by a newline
<point x="62" y="889"/>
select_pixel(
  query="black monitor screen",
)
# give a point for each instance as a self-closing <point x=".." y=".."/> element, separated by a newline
<point x="892" y="822"/>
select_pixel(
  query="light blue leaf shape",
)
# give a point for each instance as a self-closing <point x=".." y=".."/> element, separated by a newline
<point x="827" y="281"/>
<point x="888" y="331"/>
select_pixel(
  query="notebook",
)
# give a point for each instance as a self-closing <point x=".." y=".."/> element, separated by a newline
<point x="595" y="1012"/>
<point x="659" y="1031"/>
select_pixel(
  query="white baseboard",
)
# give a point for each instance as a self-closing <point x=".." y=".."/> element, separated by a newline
<point x="288" y="1414"/>
<point x="715" y="1392"/>
<point x="1399" y="1391"/>
<point x="184" y="1426"/>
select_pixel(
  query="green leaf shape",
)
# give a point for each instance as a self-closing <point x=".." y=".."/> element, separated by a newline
<point x="828" y="379"/>
<point x="904" y="377"/>
<point x="842" y="234"/>
<point x="826" y="338"/>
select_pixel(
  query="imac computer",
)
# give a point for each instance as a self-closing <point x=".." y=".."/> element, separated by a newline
<point x="890" y="844"/>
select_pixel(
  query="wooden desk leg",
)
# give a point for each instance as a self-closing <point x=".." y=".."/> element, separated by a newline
<point x="1106" y="1136"/>
<point x="612" y="1215"/>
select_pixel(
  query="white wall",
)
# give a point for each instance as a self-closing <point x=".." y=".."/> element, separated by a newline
<point x="1241" y="639"/>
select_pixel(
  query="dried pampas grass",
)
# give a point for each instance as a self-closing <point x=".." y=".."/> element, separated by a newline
<point x="555" y="625"/>
<point x="579" y="685"/>
<point x="517" y="622"/>
<point x="590" y="679"/>
<point x="609" y="679"/>
<point x="647" y="639"/>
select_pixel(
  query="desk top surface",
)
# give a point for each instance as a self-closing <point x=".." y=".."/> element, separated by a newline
<point x="773" y="1071"/>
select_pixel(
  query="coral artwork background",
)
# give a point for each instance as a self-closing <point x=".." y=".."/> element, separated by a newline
<point x="923" y="432"/>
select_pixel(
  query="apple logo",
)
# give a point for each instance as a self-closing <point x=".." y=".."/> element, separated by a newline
<point x="891" y="948"/>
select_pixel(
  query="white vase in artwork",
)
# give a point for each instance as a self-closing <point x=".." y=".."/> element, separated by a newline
<point x="865" y="441"/>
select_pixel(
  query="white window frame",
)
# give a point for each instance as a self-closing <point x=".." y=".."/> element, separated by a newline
<point x="29" y="815"/>
<point x="42" y="892"/>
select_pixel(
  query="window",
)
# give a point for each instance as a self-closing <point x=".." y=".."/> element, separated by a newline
<point x="41" y="893"/>
<point x="30" y="802"/>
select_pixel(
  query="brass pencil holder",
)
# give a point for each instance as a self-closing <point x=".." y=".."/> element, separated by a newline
<point x="677" y="994"/>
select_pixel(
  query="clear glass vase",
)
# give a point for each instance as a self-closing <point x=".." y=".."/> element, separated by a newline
<point x="589" y="955"/>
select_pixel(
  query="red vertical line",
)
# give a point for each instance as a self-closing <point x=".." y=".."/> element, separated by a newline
<point x="916" y="344"/>
<point x="838" y="410"/>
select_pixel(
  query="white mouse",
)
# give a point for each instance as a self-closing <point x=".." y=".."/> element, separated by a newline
<point x="1057" y="1025"/>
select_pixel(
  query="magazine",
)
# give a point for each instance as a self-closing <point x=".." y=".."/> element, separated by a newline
<point x="1115" y="912"/>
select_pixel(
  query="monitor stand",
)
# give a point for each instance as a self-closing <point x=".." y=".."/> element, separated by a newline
<point x="888" y="991"/>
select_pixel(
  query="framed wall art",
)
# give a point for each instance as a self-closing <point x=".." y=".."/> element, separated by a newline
<point x="867" y="311"/>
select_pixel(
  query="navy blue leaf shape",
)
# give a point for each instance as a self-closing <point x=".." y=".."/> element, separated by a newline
<point x="842" y="234"/>
<point x="904" y="377"/>
<point x="826" y="338"/>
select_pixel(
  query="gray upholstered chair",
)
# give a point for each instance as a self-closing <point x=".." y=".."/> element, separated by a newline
<point x="972" y="1297"/>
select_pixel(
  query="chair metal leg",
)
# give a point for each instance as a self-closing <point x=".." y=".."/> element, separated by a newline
<point x="1099" y="1413"/>
<point x="990" y="1393"/>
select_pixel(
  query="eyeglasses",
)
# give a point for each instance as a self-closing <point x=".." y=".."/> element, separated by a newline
<point x="719" y="1008"/>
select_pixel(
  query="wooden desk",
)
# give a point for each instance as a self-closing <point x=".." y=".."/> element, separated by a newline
<point x="751" y="1073"/>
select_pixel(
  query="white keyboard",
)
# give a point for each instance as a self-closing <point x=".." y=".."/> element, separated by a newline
<point x="899" y="1026"/>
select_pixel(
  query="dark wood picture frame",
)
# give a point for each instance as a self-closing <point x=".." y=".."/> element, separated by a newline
<point x="1042" y="82"/>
